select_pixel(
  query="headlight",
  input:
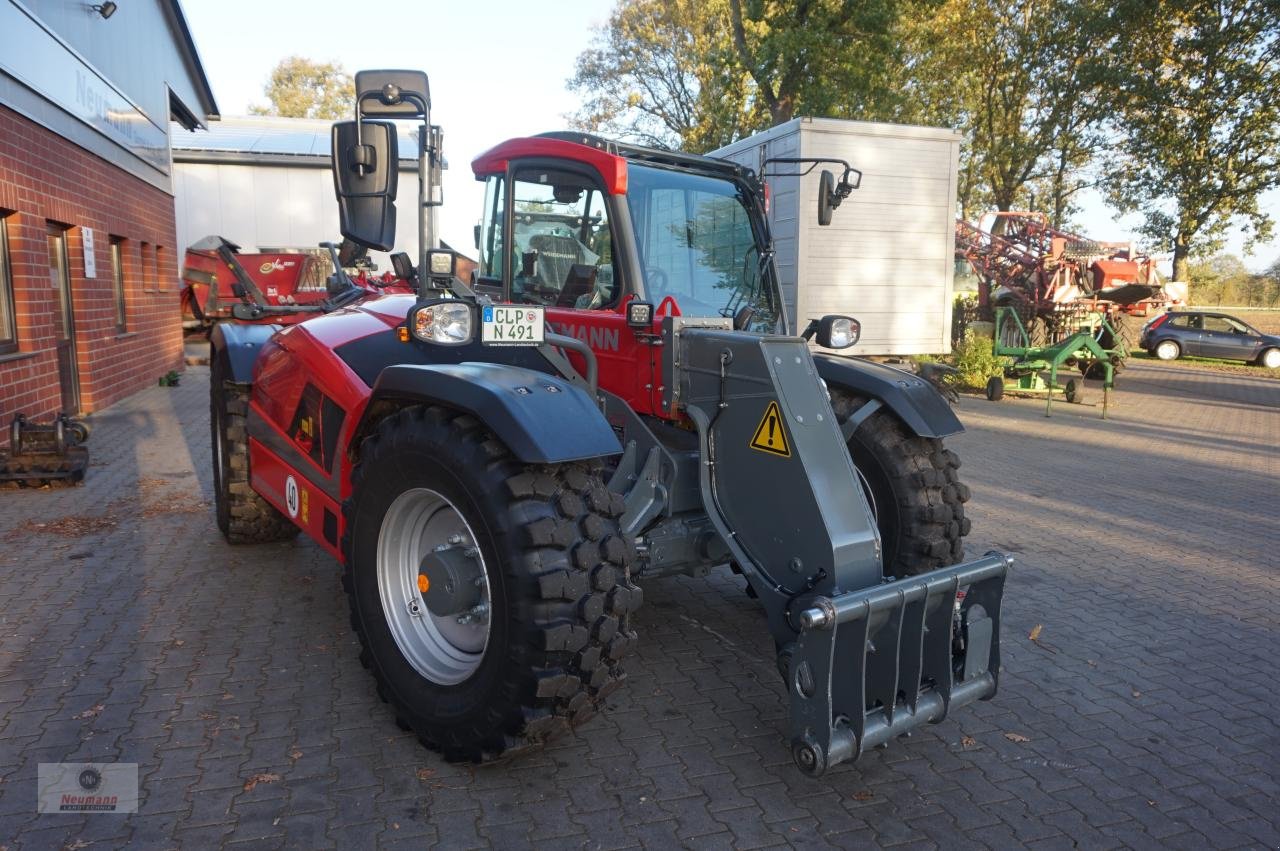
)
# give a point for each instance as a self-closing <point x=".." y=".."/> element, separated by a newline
<point x="448" y="322"/>
<point x="838" y="332"/>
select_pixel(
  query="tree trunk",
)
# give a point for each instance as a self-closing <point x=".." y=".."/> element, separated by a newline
<point x="1181" y="256"/>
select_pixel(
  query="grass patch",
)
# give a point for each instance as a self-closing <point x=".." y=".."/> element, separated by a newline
<point x="1234" y="367"/>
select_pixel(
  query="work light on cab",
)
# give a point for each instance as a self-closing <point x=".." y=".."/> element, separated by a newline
<point x="445" y="322"/>
<point x="834" y="331"/>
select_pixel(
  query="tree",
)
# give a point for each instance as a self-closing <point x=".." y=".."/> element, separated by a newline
<point x="1218" y="279"/>
<point x="702" y="74"/>
<point x="1022" y="81"/>
<point x="819" y="57"/>
<point x="1199" y="140"/>
<point x="655" y="74"/>
<point x="301" y="88"/>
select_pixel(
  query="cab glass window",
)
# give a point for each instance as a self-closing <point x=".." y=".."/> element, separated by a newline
<point x="696" y="245"/>
<point x="490" y="247"/>
<point x="562" y="248"/>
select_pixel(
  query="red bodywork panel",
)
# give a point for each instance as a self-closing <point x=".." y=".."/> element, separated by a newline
<point x="284" y="279"/>
<point x="302" y="355"/>
<point x="611" y="167"/>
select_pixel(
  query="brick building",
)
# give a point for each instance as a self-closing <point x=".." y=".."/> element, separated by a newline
<point x="89" y="305"/>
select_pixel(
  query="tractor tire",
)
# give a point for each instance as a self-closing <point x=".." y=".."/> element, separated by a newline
<point x="912" y="484"/>
<point x="244" y="517"/>
<point x="553" y="567"/>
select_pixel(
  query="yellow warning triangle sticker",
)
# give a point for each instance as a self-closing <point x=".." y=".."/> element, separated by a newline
<point x="771" y="434"/>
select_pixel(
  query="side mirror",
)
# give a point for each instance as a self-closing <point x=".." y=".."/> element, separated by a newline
<point x="366" y="162"/>
<point x="827" y="201"/>
<point x="476" y="236"/>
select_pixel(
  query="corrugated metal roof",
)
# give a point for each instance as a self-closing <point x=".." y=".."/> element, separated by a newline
<point x="268" y="139"/>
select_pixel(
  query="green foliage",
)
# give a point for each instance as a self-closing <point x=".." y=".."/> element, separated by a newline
<point x="302" y="88"/>
<point x="698" y="75"/>
<point x="1223" y="280"/>
<point x="1177" y="96"/>
<point x="1201" y="121"/>
<point x="976" y="361"/>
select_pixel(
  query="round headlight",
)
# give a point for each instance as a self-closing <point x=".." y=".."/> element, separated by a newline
<point x="445" y="323"/>
<point x="838" y="332"/>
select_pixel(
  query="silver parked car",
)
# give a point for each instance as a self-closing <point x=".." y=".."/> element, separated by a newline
<point x="1209" y="335"/>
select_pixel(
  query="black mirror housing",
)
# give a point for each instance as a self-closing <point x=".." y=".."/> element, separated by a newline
<point x="366" y="162"/>
<point x="827" y="201"/>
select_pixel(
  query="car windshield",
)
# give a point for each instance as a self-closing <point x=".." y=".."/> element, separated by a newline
<point x="697" y="246"/>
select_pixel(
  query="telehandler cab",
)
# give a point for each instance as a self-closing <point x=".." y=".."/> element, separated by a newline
<point x="618" y="394"/>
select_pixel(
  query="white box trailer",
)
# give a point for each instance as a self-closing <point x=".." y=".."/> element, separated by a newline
<point x="888" y="256"/>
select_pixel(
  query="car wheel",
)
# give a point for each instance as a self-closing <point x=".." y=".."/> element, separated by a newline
<point x="1168" y="350"/>
<point x="1270" y="359"/>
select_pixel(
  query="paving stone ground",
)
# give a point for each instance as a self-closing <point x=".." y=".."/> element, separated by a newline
<point x="1148" y="552"/>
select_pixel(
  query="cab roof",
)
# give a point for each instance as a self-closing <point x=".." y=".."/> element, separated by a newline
<point x="608" y="157"/>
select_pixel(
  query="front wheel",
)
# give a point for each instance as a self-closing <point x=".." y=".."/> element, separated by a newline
<point x="1270" y="359"/>
<point x="912" y="486"/>
<point x="492" y="598"/>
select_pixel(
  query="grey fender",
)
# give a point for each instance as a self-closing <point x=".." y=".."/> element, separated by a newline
<point x="542" y="418"/>
<point x="242" y="343"/>
<point x="916" y="402"/>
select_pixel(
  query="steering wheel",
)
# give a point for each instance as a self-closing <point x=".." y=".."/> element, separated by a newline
<point x="656" y="280"/>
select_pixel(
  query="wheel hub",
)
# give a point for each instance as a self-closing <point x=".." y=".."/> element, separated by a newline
<point x="451" y="580"/>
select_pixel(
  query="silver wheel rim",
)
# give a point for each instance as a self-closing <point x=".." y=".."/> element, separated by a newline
<point x="1166" y="351"/>
<point x="444" y="649"/>
<point x="1271" y="360"/>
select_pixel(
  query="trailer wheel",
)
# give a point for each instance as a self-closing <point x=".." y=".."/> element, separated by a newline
<point x="492" y="598"/>
<point x="244" y="517"/>
<point x="995" y="388"/>
<point x="912" y="484"/>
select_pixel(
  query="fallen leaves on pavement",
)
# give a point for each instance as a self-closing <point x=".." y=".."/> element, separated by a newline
<point x="92" y="712"/>
<point x="252" y="782"/>
<point x="1016" y="737"/>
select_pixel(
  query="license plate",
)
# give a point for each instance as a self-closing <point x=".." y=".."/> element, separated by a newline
<point x="512" y="325"/>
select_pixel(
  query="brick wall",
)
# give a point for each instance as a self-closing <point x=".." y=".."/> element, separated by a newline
<point x="43" y="179"/>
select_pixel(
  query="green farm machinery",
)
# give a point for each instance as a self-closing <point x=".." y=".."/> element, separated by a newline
<point x="1034" y="368"/>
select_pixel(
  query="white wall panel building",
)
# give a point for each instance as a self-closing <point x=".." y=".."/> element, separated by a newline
<point x="265" y="183"/>
<point x="887" y="257"/>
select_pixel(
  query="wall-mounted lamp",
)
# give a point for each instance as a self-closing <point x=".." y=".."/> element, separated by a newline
<point x="106" y="10"/>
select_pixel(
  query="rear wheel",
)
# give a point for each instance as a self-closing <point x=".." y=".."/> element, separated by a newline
<point x="244" y="517"/>
<point x="913" y="487"/>
<point x="1168" y="350"/>
<point x="527" y="637"/>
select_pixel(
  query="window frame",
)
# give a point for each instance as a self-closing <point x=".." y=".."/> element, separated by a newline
<point x="8" y="300"/>
<point x="119" y="284"/>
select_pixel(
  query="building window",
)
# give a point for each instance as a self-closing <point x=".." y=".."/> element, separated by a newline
<point x="160" y="276"/>
<point x="148" y="268"/>
<point x="117" y="284"/>
<point x="8" y="321"/>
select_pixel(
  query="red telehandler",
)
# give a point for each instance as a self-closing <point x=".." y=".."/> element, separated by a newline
<point x="617" y="394"/>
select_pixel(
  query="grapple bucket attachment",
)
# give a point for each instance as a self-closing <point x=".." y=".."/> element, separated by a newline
<point x="865" y="659"/>
<point x="873" y="664"/>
